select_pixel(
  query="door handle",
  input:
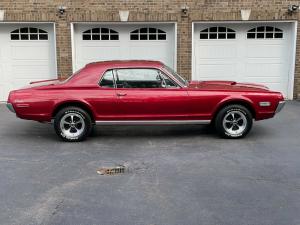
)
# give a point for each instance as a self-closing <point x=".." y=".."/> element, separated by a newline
<point x="121" y="94"/>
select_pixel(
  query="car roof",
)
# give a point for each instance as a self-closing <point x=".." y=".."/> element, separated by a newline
<point x="127" y="63"/>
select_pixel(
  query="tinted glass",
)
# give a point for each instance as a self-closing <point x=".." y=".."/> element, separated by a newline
<point x="138" y="78"/>
<point x="213" y="36"/>
<point x="24" y="37"/>
<point x="24" y="30"/>
<point x="114" y="37"/>
<point x="162" y="37"/>
<point x="86" y="37"/>
<point x="251" y="35"/>
<point x="168" y="82"/>
<point x="176" y="75"/>
<point x="222" y="36"/>
<point x="260" y="35"/>
<point x="107" y="79"/>
<point x="33" y="30"/>
<point x="105" y="30"/>
<point x="203" y="36"/>
<point x="43" y="36"/>
<point x="230" y="35"/>
<point x="278" y="35"/>
<point x="33" y="36"/>
<point x="269" y="35"/>
<point x="222" y="29"/>
<point x="14" y="36"/>
<point x="104" y="37"/>
<point x="134" y="37"/>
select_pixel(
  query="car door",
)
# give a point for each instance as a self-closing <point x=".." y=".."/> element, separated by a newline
<point x="149" y="94"/>
<point x="104" y="98"/>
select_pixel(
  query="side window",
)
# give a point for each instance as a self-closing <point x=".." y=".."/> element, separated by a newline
<point x="138" y="78"/>
<point x="107" y="79"/>
<point x="168" y="83"/>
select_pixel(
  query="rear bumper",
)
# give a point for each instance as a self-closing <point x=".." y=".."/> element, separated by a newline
<point x="10" y="107"/>
<point x="280" y="106"/>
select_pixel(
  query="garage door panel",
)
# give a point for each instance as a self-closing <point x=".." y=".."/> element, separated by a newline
<point x="97" y="53"/>
<point x="22" y="83"/>
<point x="25" y="57"/>
<point x="152" y="52"/>
<point x="21" y="71"/>
<point x="270" y="79"/>
<point x="265" y="51"/>
<point x="216" y="71"/>
<point x="258" y="53"/>
<point x="226" y="51"/>
<point x="33" y="52"/>
<point x="264" y="69"/>
<point x="148" y="42"/>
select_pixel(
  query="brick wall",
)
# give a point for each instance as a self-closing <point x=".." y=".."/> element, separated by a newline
<point x="145" y="10"/>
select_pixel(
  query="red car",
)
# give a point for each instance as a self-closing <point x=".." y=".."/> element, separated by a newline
<point x="138" y="93"/>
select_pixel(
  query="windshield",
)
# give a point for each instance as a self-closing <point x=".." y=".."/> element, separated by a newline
<point x="181" y="80"/>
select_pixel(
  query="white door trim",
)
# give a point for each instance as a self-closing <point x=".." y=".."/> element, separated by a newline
<point x="293" y="52"/>
<point x="120" y="23"/>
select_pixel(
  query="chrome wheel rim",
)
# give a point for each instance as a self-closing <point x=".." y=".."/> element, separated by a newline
<point x="72" y="125"/>
<point x="235" y="123"/>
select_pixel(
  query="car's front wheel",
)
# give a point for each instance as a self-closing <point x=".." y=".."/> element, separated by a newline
<point x="72" y="124"/>
<point x="233" y="121"/>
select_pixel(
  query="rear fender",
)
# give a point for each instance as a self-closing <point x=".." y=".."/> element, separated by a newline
<point x="78" y="103"/>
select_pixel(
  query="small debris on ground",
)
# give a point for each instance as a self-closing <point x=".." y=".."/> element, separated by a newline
<point x="111" y="170"/>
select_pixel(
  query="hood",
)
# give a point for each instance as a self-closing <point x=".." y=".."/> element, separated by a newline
<point x="226" y="85"/>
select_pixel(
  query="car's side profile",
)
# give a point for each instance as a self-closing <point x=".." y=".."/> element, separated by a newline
<point x="142" y="92"/>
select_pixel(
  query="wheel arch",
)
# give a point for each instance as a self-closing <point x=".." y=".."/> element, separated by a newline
<point x="79" y="104"/>
<point x="244" y="102"/>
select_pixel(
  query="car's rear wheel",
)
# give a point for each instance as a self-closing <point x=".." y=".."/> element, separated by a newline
<point x="233" y="121"/>
<point x="72" y="124"/>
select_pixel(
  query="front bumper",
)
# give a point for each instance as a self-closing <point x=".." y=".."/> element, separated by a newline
<point x="280" y="106"/>
<point x="10" y="107"/>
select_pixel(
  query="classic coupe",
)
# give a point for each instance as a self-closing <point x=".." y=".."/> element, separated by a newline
<point x="138" y="92"/>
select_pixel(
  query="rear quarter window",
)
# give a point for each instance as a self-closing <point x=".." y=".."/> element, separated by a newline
<point x="107" y="79"/>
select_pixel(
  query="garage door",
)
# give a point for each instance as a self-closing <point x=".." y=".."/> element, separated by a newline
<point x="259" y="53"/>
<point x="96" y="42"/>
<point x="26" y="54"/>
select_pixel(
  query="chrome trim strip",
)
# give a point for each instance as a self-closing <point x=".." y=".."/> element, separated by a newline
<point x="150" y="122"/>
<point x="10" y="107"/>
<point x="280" y="106"/>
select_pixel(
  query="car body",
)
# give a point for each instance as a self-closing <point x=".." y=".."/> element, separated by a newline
<point x="141" y="92"/>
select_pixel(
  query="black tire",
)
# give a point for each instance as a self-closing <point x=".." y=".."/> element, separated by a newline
<point x="93" y="132"/>
<point x="84" y="124"/>
<point x="241" y="119"/>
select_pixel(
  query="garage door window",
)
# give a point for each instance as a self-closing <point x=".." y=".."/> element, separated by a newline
<point x="265" y="32"/>
<point x="148" y="33"/>
<point x="100" y="34"/>
<point x="217" y="33"/>
<point x="28" y="33"/>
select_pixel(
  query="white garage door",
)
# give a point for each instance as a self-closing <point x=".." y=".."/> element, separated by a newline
<point x="98" y="42"/>
<point x="257" y="53"/>
<point x="26" y="54"/>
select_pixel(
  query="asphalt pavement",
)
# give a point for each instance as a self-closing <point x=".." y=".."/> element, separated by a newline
<point x="174" y="175"/>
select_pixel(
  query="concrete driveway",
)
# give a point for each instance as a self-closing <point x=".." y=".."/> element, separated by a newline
<point x="176" y="175"/>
